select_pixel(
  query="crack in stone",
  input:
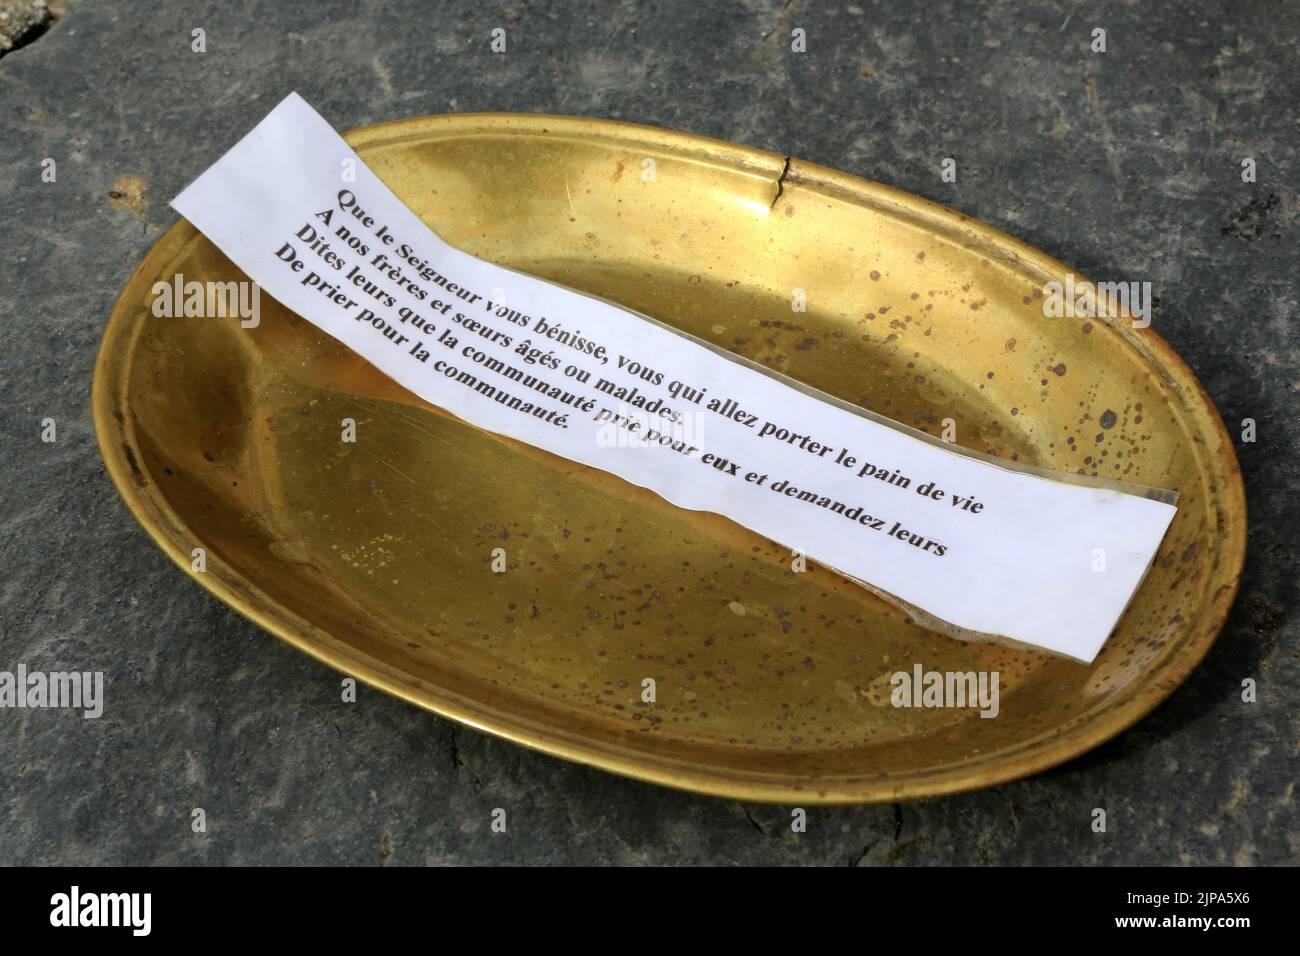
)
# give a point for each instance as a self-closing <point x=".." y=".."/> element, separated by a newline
<point x="894" y="851"/>
<point x="782" y="21"/>
<point x="1017" y="812"/>
<point x="457" y="761"/>
<point x="754" y="823"/>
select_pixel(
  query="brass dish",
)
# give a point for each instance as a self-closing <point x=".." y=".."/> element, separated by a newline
<point x="376" y="556"/>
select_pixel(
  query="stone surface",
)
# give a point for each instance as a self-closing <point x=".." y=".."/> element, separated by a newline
<point x="25" y="21"/>
<point x="1124" y="164"/>
<point x="22" y="21"/>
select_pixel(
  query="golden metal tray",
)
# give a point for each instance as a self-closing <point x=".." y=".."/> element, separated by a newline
<point x="376" y="556"/>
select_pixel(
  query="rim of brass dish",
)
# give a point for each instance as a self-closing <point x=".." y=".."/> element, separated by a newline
<point x="116" y="437"/>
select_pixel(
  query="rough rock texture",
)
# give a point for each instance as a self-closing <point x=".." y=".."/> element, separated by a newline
<point x="1125" y="164"/>
<point x="24" y="21"/>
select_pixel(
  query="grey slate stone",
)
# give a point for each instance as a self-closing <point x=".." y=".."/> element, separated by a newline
<point x="1125" y="164"/>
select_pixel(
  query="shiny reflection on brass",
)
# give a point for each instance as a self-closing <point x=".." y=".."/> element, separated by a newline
<point x="375" y="556"/>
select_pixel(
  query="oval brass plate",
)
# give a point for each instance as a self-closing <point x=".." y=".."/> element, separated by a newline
<point x="375" y="556"/>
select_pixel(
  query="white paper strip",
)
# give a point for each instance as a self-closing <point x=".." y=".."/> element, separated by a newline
<point x="987" y="549"/>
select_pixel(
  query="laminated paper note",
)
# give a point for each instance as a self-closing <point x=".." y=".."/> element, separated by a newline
<point x="973" y="547"/>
